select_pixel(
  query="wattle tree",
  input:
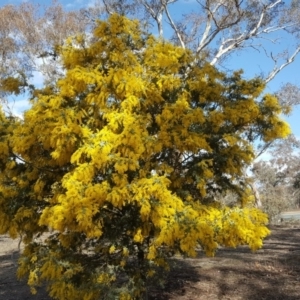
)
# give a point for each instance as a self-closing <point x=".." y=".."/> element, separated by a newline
<point x="115" y="166"/>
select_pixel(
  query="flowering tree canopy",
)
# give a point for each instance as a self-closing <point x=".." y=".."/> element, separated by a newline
<point x="115" y="166"/>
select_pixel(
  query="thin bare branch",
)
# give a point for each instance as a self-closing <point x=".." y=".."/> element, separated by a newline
<point x="156" y="15"/>
<point x="107" y="8"/>
<point x="276" y="69"/>
<point x="173" y="25"/>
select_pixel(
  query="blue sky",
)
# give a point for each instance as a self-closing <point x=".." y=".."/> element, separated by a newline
<point x="250" y="61"/>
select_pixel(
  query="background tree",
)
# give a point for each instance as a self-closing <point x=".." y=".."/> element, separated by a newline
<point x="277" y="178"/>
<point x="30" y="36"/>
<point x="118" y="161"/>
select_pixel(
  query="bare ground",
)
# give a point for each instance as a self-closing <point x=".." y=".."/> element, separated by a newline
<point x="272" y="273"/>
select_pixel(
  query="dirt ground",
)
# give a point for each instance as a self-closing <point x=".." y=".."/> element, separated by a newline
<point x="272" y="273"/>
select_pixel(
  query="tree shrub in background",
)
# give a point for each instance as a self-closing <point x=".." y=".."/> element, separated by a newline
<point x="277" y="178"/>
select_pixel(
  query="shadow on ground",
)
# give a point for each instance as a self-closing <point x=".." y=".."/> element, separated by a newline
<point x="10" y="287"/>
<point x="272" y="273"/>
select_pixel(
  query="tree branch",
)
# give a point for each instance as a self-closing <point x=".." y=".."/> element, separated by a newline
<point x="107" y="8"/>
<point x="175" y="28"/>
<point x="157" y="16"/>
<point x="276" y="69"/>
<point x="32" y="164"/>
<point x="236" y="42"/>
<point x="264" y="149"/>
